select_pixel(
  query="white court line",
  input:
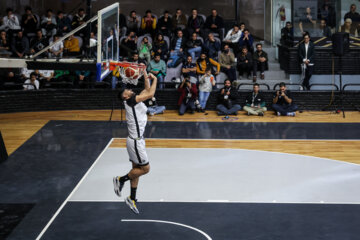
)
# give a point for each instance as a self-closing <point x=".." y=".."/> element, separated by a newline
<point x="167" y="222"/>
<point x="252" y="139"/>
<point x="73" y="191"/>
<point x="217" y="201"/>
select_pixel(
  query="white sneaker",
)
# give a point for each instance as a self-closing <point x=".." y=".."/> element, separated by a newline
<point x="117" y="186"/>
<point x="278" y="113"/>
<point x="291" y="114"/>
<point x="132" y="205"/>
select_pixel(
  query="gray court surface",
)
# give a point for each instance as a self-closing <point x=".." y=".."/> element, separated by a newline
<point x="225" y="175"/>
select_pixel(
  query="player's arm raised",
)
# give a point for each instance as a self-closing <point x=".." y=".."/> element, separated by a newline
<point x="146" y="81"/>
<point x="147" y="94"/>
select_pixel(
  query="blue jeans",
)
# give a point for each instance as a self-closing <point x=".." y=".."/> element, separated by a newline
<point x="284" y="109"/>
<point x="194" y="51"/>
<point x="156" y="110"/>
<point x="160" y="79"/>
<point x="189" y="105"/>
<point x="114" y="80"/>
<point x="224" y="110"/>
<point x="203" y="97"/>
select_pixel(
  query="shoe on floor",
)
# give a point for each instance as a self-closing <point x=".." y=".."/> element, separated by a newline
<point x="117" y="186"/>
<point x="254" y="78"/>
<point x="278" y="113"/>
<point x="291" y="114"/>
<point x="132" y="205"/>
<point x="262" y="76"/>
<point x="261" y="114"/>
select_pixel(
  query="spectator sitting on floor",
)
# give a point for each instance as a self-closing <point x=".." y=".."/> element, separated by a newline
<point x="189" y="70"/>
<point x="56" y="51"/>
<point x="214" y="23"/>
<point x="246" y="40"/>
<point x="145" y="50"/>
<point x="63" y="23"/>
<point x="39" y="43"/>
<point x="255" y="102"/>
<point x="188" y="95"/>
<point x="48" y="24"/>
<point x="20" y="45"/>
<point x="212" y="46"/>
<point x="158" y="68"/>
<point x="283" y="104"/>
<point x="177" y="48"/>
<point x="232" y="38"/>
<point x="71" y="46"/>
<point x="45" y="76"/>
<point x="195" y="23"/>
<point x="82" y="79"/>
<point x="128" y="45"/>
<point x="194" y="46"/>
<point x="133" y="22"/>
<point x="227" y="61"/>
<point x="32" y="83"/>
<point x="227" y="100"/>
<point x="207" y="82"/>
<point x="179" y="20"/>
<point x="153" y="108"/>
<point x="29" y="22"/>
<point x="148" y="23"/>
<point x="260" y="62"/>
<point x="160" y="47"/>
<point x="245" y="63"/>
<point x="165" y="24"/>
<point x="204" y="62"/>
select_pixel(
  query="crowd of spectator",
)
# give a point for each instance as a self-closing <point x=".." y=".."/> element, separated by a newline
<point x="201" y="44"/>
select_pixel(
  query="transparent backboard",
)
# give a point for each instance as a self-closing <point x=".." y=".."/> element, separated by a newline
<point x="108" y="35"/>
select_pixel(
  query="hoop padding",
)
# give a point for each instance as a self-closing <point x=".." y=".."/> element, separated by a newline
<point x="129" y="72"/>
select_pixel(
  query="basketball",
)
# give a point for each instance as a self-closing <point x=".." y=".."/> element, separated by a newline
<point x="131" y="72"/>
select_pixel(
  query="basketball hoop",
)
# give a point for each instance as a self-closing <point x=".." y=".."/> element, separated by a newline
<point x="129" y="72"/>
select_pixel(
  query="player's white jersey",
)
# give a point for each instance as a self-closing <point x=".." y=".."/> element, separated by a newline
<point x="136" y="117"/>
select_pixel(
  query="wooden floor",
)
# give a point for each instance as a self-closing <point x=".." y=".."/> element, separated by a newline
<point x="16" y="128"/>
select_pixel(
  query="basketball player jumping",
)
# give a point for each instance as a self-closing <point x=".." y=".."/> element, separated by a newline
<point x="136" y="121"/>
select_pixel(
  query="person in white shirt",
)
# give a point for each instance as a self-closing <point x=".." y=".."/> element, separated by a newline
<point x="10" y="21"/>
<point x="207" y="82"/>
<point x="136" y="119"/>
<point x="31" y="83"/>
<point x="56" y="51"/>
<point x="232" y="38"/>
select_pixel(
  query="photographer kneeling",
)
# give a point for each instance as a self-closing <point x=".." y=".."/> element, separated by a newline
<point x="226" y="101"/>
<point x="188" y="96"/>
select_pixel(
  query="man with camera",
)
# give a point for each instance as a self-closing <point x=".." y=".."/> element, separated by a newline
<point x="188" y="95"/>
<point x="227" y="100"/>
<point x="283" y="103"/>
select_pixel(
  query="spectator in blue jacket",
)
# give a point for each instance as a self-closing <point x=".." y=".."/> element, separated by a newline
<point x="246" y="40"/>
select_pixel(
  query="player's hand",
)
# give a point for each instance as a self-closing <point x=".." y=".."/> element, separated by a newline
<point x="152" y="76"/>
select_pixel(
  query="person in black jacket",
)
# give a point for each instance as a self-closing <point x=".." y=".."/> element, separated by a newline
<point x="177" y="48"/>
<point x="63" y="23"/>
<point x="160" y="47"/>
<point x="227" y="100"/>
<point x="245" y="62"/>
<point x="39" y="43"/>
<point x="20" y="45"/>
<point x="164" y="24"/>
<point x="287" y="35"/>
<point x="194" y="46"/>
<point x="195" y="23"/>
<point x="283" y="102"/>
<point x="306" y="54"/>
<point x="29" y="21"/>
<point x="214" y="23"/>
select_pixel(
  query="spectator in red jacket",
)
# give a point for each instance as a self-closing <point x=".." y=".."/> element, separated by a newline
<point x="188" y="95"/>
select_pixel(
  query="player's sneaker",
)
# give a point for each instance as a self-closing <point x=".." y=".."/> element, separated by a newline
<point x="132" y="205"/>
<point x="118" y="186"/>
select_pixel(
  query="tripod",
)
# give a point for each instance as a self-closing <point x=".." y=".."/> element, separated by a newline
<point x="339" y="100"/>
